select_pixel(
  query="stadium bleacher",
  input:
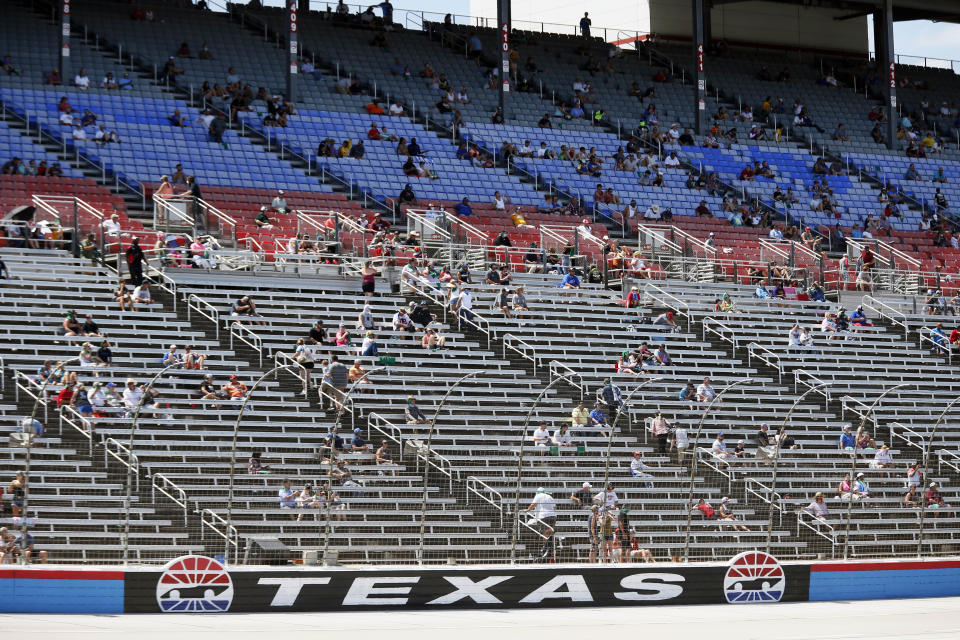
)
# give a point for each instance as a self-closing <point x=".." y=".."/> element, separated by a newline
<point x="449" y="494"/>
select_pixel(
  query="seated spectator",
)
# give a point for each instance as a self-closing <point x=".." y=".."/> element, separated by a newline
<point x="413" y="413"/>
<point x="235" y="389"/>
<point x="705" y="391"/>
<point x="933" y="499"/>
<point x="818" y="508"/>
<point x="850" y="491"/>
<point x="882" y="459"/>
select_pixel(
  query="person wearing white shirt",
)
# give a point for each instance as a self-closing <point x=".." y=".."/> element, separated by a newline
<point x="464" y="305"/>
<point x="681" y="441"/>
<point x="671" y="161"/>
<point x="542" y="150"/>
<point x="562" y="437"/>
<point x="806" y="340"/>
<point x="66" y="118"/>
<point x="630" y="211"/>
<point x="409" y="276"/>
<point x="719" y="447"/>
<point x="638" y="468"/>
<point x="526" y="150"/>
<point x="776" y="234"/>
<point x="141" y="294"/>
<point x="795" y="336"/>
<point x="82" y="80"/>
<point x="541" y="438"/>
<point x="401" y="321"/>
<point x="499" y="201"/>
<point x="279" y="203"/>
<point x="396" y="109"/>
<point x="882" y="458"/>
<point x="578" y="86"/>
<point x="652" y="212"/>
<point x="544" y="509"/>
<point x="111" y="226"/>
<point x="607" y="498"/>
<point x="205" y="119"/>
<point x="132" y="394"/>
<point x="674" y="132"/>
<point x="630" y="163"/>
<point x="705" y="391"/>
<point x="78" y="132"/>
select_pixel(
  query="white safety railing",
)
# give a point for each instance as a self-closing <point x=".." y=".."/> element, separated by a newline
<point x="197" y="304"/>
<point x="488" y="494"/>
<point x="807" y="379"/>
<point x="767" y="356"/>
<point x="882" y="309"/>
<point x="122" y="455"/>
<point x="246" y="335"/>
<point x="209" y="520"/>
<point x="162" y="484"/>
<point x="525" y="349"/>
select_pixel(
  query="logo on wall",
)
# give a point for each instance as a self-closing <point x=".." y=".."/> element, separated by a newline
<point x="194" y="584"/>
<point x="754" y="576"/>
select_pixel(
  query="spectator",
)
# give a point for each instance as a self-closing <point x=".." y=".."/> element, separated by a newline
<point x="582" y="497"/>
<point x="912" y="497"/>
<point x="706" y="392"/>
<point x="598" y="418"/>
<point x="847" y="439"/>
<point x="541" y="438"/>
<point x="288" y="497"/>
<point x="369" y="346"/>
<point x="660" y="428"/>
<point x="579" y="419"/>
<point x="561" y="437"/>
<point x="17" y="491"/>
<point x="357" y="444"/>
<point x="245" y="307"/>
<point x="882" y="459"/>
<point x="666" y="320"/>
<point x="255" y="465"/>
<point x="638" y="469"/>
<point x="847" y="490"/>
<point x="413" y="413"/>
<point x="719" y="448"/>
<point x="818" y="508"/>
<point x="544" y="513"/>
<point x="333" y="385"/>
<point x="933" y="498"/>
<point x="585" y="23"/>
<point x="234" y="389"/>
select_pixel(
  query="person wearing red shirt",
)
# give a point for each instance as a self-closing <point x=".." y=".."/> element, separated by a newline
<point x="747" y="173"/>
<point x="374" y="132"/>
<point x="704" y="507"/>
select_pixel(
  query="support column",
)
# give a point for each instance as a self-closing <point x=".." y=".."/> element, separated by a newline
<point x="65" y="42"/>
<point x="293" y="50"/>
<point x="878" y="40"/>
<point x="503" y="22"/>
<point x="699" y="53"/>
<point x="889" y="60"/>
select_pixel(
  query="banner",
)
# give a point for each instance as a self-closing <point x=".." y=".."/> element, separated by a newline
<point x="195" y="583"/>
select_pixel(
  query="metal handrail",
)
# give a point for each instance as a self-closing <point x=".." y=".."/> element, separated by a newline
<point x="556" y="364"/>
<point x="255" y="342"/>
<point x="134" y="462"/>
<point x="88" y="434"/>
<point x="232" y="535"/>
<point x="720" y="332"/>
<point x="904" y="434"/>
<point x="847" y="401"/>
<point x="304" y="374"/>
<point x="180" y="500"/>
<point x="198" y="304"/>
<point x="814" y="381"/>
<point x="475" y="484"/>
<point x="27" y="386"/>
<point x="942" y="348"/>
<point x="772" y="499"/>
<point x="770" y="356"/>
<point x="816" y="528"/>
<point x="531" y="356"/>
<point x="886" y="311"/>
<point x="954" y="457"/>
<point x="680" y="306"/>
<point x="387" y="429"/>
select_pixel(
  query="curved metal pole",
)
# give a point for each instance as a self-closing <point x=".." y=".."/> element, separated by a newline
<point x="28" y="457"/>
<point x="133" y="428"/>
<point x="426" y="465"/>
<point x="613" y="428"/>
<point x="693" y="464"/>
<point x="523" y="440"/>
<point x="776" y="456"/>
<point x="926" y="460"/>
<point x="233" y="458"/>
<point x="853" y="460"/>
<point x="333" y="437"/>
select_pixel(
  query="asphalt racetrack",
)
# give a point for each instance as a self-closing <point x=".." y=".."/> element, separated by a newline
<point x="920" y="619"/>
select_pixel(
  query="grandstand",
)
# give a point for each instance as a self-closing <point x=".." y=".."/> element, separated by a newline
<point x="128" y="481"/>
